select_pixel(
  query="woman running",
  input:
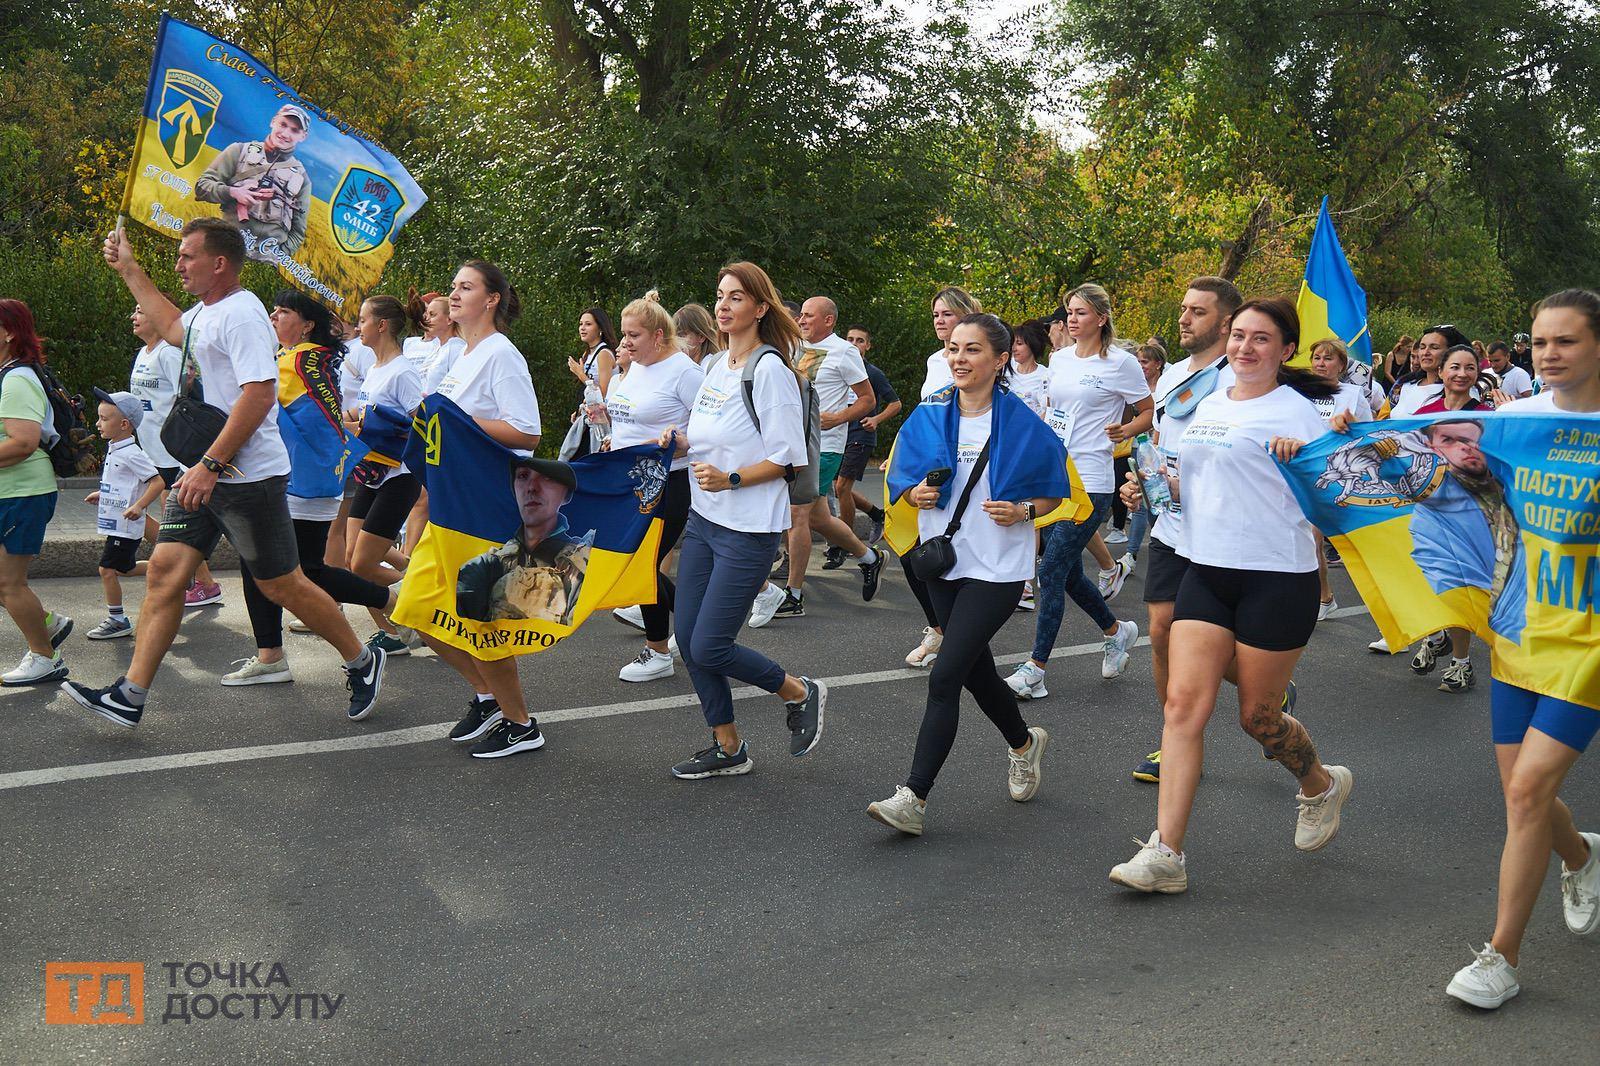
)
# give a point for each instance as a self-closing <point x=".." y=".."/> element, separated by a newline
<point x="697" y="333"/>
<point x="1249" y="596"/>
<point x="490" y="383"/>
<point x="308" y="366"/>
<point x="593" y="372"/>
<point x="999" y="466"/>
<point x="656" y="393"/>
<point x="384" y="495"/>
<point x="435" y="346"/>
<point x="741" y="447"/>
<point x="1425" y="384"/>
<point x="1091" y="384"/>
<point x="1461" y="376"/>
<point x="1538" y="739"/>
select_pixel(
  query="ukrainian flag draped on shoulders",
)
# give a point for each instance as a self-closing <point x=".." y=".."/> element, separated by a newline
<point x="475" y="580"/>
<point x="1026" y="461"/>
<point x="320" y="452"/>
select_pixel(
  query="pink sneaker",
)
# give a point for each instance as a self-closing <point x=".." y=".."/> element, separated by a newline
<point x="198" y="595"/>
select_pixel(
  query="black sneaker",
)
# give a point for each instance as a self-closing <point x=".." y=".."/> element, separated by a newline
<point x="106" y="702"/>
<point x="1331" y="554"/>
<point x="805" y="718"/>
<point x="792" y="606"/>
<point x="833" y="558"/>
<point x="480" y="716"/>
<point x="780" y="572"/>
<point x="364" y="685"/>
<point x="870" y="572"/>
<point x="714" y="762"/>
<point x="506" y="737"/>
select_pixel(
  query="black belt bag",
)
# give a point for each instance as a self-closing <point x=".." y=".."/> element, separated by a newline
<point x="936" y="556"/>
<point x="193" y="425"/>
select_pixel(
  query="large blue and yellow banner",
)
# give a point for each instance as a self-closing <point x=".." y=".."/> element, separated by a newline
<point x="519" y="551"/>
<point x="222" y="134"/>
<point x="1331" y="303"/>
<point x="1488" y="522"/>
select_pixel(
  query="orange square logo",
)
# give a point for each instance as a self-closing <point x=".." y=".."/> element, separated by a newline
<point x="94" y="993"/>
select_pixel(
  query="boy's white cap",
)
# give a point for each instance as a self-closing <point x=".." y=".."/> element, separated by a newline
<point x="126" y="402"/>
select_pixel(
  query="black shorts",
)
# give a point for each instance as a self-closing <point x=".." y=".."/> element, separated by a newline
<point x="382" y="511"/>
<point x="1264" y="609"/>
<point x="169" y="474"/>
<point x="255" y="518"/>
<point x="1163" y="572"/>
<point x="119" y="554"/>
<point x="853" y="467"/>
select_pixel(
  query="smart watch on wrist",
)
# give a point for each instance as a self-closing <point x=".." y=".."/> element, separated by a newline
<point x="734" y="480"/>
<point x="213" y="465"/>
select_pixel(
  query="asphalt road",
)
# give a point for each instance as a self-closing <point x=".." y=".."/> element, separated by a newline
<point x="580" y="905"/>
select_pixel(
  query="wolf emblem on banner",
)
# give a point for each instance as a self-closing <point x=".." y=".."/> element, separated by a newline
<point x="1358" y="469"/>
<point x="363" y="210"/>
<point x="188" y="111"/>
<point x="649" y="479"/>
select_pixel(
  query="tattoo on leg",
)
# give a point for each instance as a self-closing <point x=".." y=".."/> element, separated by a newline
<point x="1283" y="737"/>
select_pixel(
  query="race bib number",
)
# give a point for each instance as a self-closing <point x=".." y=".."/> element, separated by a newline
<point x="1060" y="423"/>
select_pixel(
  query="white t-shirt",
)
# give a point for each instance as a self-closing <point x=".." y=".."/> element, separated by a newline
<point x="432" y="358"/>
<point x="1542" y="403"/>
<point x="1351" y="398"/>
<point x="985" y="550"/>
<point x="647" y="399"/>
<point x="1238" y="511"/>
<point x="395" y="384"/>
<point x="1169" y="432"/>
<point x="721" y="433"/>
<point x="833" y="364"/>
<point x="358" y="359"/>
<point x="938" y="375"/>
<point x="157" y="372"/>
<point x="123" y="479"/>
<point x="1093" y="391"/>
<point x="1412" y="396"/>
<point x="1032" y="388"/>
<point x="233" y="343"/>
<point x="1515" y="382"/>
<point x="492" y="381"/>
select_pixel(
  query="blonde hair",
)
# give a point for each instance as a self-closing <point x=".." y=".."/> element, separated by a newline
<point x="649" y="313"/>
<point x="1336" y="346"/>
<point x="1098" y="298"/>
<point x="958" y="300"/>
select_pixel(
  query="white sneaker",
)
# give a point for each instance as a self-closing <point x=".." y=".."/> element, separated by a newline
<point x="253" y="671"/>
<point x="1318" y="821"/>
<point x="672" y="646"/>
<point x="768" y="600"/>
<point x="1580" y="890"/>
<point x="651" y="665"/>
<point x="1110" y="581"/>
<point x="630" y="616"/>
<point x="1130" y="561"/>
<point x="1153" y="869"/>
<point x="1325" y="609"/>
<point x="1023" y="773"/>
<point x="60" y="627"/>
<point x="1488" y="981"/>
<point x="1115" y="650"/>
<point x="902" y="811"/>
<point x="35" y="670"/>
<point x="410" y="638"/>
<point x="1025" y="602"/>
<point x="1380" y="646"/>
<point x="1027" y="681"/>
<point x="924" y="654"/>
<point x="297" y="626"/>
<point x="1114" y="536"/>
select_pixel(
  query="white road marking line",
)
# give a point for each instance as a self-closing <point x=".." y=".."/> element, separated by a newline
<point x="425" y="733"/>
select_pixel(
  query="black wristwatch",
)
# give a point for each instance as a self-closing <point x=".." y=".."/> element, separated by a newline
<point x="734" y="480"/>
<point x="213" y="465"/>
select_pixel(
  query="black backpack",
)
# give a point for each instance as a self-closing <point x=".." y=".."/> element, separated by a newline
<point x="66" y="416"/>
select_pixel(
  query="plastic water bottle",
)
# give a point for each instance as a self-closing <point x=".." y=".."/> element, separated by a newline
<point x="594" y="412"/>
<point x="1152" y="474"/>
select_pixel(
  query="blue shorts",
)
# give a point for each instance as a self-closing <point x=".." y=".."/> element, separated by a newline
<point x="1513" y="711"/>
<point x="22" y="522"/>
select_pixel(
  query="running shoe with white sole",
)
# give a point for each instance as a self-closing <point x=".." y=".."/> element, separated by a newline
<point x="1024" y="771"/>
<point x="1026" y="601"/>
<point x="1114" y="536"/>
<point x="506" y="737"/>
<point x="651" y="665"/>
<point x="1027" y="681"/>
<point x="1487" y="982"/>
<point x="60" y="627"/>
<point x="923" y="654"/>
<point x="766" y="604"/>
<point x="198" y="595"/>
<point x="108" y="703"/>
<point x="1379" y="647"/>
<point x="630" y="616"/>
<point x="1325" y="608"/>
<point x="875" y="529"/>
<point x="389" y="642"/>
<point x="111" y="629"/>
<point x="1457" y="677"/>
<point x="35" y="669"/>
<point x="480" y="718"/>
<point x="1318" y="821"/>
<point x="253" y="671"/>
<point x="902" y="811"/>
<point x="1110" y="582"/>
<point x="1580" y="890"/>
<point x="793" y="606"/>
<point x="834" y="558"/>
<point x="1115" y="651"/>
<point x="365" y="683"/>
<point x="806" y="718"/>
<point x="1428" y="654"/>
<point x="714" y="762"/>
<point x="1153" y="869"/>
<point x="870" y="573"/>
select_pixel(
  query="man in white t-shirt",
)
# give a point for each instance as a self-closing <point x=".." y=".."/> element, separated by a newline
<point x="1514" y="381"/>
<point x="835" y="369"/>
<point x="238" y="488"/>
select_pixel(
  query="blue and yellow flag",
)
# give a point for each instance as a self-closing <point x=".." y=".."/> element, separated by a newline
<point x="321" y="453"/>
<point x="519" y="551"/>
<point x="1487" y="522"/>
<point x="385" y="432"/>
<point x="222" y="134"/>
<point x="1332" y="303"/>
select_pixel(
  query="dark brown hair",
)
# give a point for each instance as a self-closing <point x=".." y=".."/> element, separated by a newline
<point x="217" y="237"/>
<point x="494" y="279"/>
<point x="1287" y="319"/>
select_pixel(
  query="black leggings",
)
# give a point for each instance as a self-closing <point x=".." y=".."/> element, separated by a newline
<point x="971" y="612"/>
<point x="674" y="515"/>
<point x="919" y="589"/>
<point x="266" y="617"/>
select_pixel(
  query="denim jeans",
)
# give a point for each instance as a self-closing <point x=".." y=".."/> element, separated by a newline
<point x="1061" y="573"/>
<point x="1139" y="524"/>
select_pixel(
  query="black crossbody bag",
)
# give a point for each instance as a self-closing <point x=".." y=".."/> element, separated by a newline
<point x="193" y="425"/>
<point x="935" y="557"/>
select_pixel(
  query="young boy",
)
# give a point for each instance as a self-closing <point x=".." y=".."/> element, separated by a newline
<point x="129" y="483"/>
